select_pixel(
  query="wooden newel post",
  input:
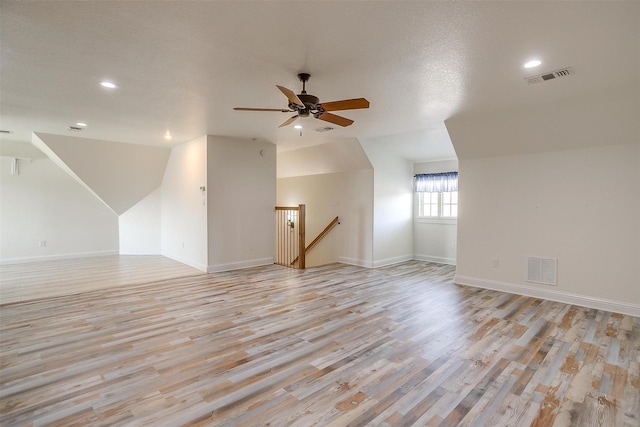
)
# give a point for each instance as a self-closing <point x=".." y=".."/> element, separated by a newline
<point x="301" y="236"/>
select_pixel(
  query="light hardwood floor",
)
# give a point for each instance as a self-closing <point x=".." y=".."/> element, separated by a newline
<point x="335" y="345"/>
<point x="34" y="280"/>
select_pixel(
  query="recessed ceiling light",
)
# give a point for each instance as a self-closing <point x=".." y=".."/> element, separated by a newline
<point x="108" y="85"/>
<point x="81" y="124"/>
<point x="298" y="126"/>
<point x="167" y="135"/>
<point x="533" y="63"/>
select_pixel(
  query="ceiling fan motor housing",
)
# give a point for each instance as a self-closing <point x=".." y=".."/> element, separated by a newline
<point x="311" y="104"/>
<point x="309" y="101"/>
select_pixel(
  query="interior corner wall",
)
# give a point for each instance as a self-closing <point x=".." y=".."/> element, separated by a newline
<point x="392" y="204"/>
<point x="434" y="240"/>
<point x="241" y="192"/>
<point x="183" y="219"/>
<point x="44" y="204"/>
<point x="140" y="226"/>
<point x="347" y="195"/>
<point x="580" y="206"/>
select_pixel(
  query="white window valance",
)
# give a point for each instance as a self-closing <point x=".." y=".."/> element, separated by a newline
<point x="436" y="182"/>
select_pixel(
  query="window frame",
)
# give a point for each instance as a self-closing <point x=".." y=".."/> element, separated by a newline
<point x="439" y="219"/>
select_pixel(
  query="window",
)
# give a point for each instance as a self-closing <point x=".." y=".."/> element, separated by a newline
<point x="437" y="195"/>
<point x="438" y="205"/>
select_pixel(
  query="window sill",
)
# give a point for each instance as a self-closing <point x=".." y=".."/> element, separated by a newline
<point x="445" y="221"/>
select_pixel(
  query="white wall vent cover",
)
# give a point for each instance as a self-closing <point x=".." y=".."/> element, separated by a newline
<point x="562" y="72"/>
<point x="542" y="270"/>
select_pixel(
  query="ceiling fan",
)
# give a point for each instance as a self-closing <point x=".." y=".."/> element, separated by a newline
<point x="305" y="105"/>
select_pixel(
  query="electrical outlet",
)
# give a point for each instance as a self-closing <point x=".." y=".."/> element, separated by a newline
<point x="494" y="263"/>
<point x="42" y="243"/>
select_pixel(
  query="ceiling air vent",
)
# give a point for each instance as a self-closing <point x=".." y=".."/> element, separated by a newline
<point x="562" y="72"/>
<point x="324" y="129"/>
<point x="75" y="128"/>
<point x="9" y="132"/>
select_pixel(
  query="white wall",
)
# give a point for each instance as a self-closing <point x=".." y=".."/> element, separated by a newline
<point x="184" y="205"/>
<point x="119" y="174"/>
<point x="392" y="204"/>
<point x="434" y="240"/>
<point x="241" y="191"/>
<point x="44" y="203"/>
<point x="140" y="226"/>
<point x="347" y="195"/>
<point x="579" y="206"/>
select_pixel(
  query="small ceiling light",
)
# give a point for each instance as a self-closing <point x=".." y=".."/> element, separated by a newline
<point x="108" y="85"/>
<point x="167" y="135"/>
<point x="82" y="125"/>
<point x="298" y="127"/>
<point x="533" y="63"/>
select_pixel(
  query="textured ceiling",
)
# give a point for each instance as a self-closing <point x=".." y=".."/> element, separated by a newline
<point x="183" y="66"/>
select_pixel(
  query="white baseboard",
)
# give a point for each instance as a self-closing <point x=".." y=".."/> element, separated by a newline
<point x="353" y="261"/>
<point x="217" y="268"/>
<point x="552" y="295"/>
<point x="436" y="259"/>
<point x="391" y="261"/>
<point x="56" y="257"/>
<point x="197" y="266"/>
<point x="140" y="252"/>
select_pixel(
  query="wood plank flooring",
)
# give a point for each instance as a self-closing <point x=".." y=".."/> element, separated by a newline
<point x="336" y="345"/>
<point x="33" y="280"/>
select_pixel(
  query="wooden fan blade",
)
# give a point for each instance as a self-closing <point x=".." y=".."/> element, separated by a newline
<point x="289" y="121"/>
<point x="291" y="95"/>
<point x="336" y="120"/>
<point x="345" y="104"/>
<point x="262" y="109"/>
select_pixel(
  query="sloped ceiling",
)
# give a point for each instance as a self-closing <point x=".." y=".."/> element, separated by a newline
<point x="338" y="156"/>
<point x="611" y="118"/>
<point x="118" y="174"/>
<point x="182" y="66"/>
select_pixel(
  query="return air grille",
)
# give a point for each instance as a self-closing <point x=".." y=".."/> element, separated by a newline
<point x="562" y="72"/>
<point x="542" y="270"/>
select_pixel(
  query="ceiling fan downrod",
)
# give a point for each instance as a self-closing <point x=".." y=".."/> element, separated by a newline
<point x="304" y="77"/>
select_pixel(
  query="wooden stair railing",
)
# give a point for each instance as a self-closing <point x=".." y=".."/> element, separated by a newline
<point x="319" y="237"/>
<point x="281" y="250"/>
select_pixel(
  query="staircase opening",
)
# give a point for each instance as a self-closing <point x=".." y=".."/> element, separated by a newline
<point x="290" y="236"/>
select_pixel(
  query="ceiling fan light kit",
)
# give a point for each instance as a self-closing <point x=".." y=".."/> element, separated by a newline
<point x="305" y="105"/>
